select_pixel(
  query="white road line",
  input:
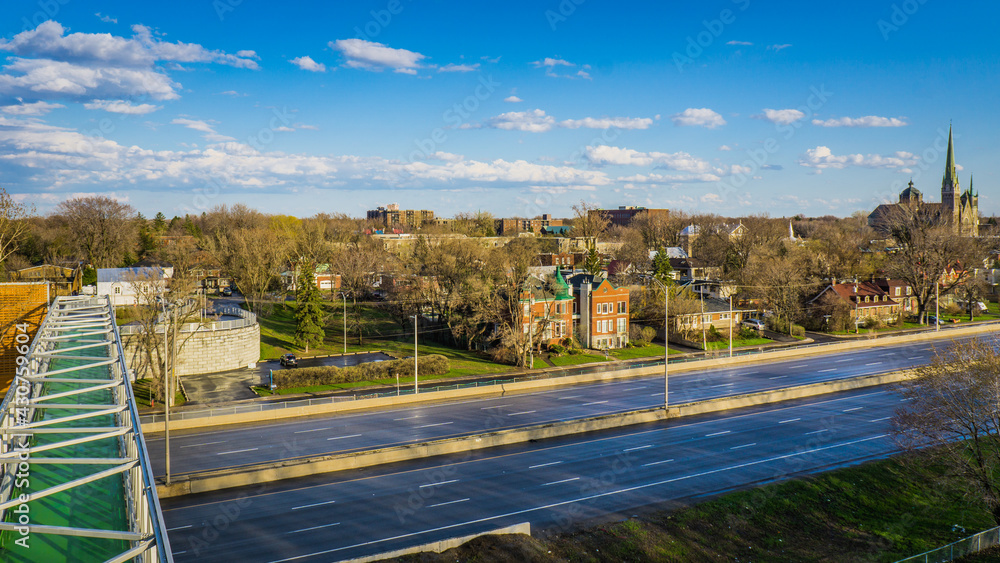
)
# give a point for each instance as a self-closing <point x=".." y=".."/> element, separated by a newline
<point x="638" y="448"/>
<point x="874" y="364"/>
<point x="817" y="431"/>
<point x="313" y="430"/>
<point x="180" y="527"/>
<point x="432" y="425"/>
<point x="802" y="366"/>
<point x="545" y="464"/>
<point x="449" y="502"/>
<point x="657" y="462"/>
<point x="655" y="394"/>
<point x="179" y="552"/>
<point x="844" y="360"/>
<point x="717" y="433"/>
<point x="570" y="397"/>
<point x="522" y="412"/>
<point x="778" y="377"/>
<point x="634" y="388"/>
<point x="915" y="358"/>
<point x="494" y="407"/>
<point x="853" y="409"/>
<point x="887" y="354"/>
<point x="238" y="451"/>
<point x="593" y="403"/>
<point x="577" y="500"/>
<point x="438" y="484"/>
<point x="408" y="418"/>
<point x="790" y="420"/>
<point x="880" y="419"/>
<point x="827" y="370"/>
<point x="723" y="385"/>
<point x="743" y="446"/>
<point x="205" y="444"/>
<point x="694" y="380"/>
<point x="749" y="373"/>
<point x="343" y="437"/>
<point x="563" y="481"/>
<point x="905" y="399"/>
<point x="313" y="528"/>
<point x="312" y="505"/>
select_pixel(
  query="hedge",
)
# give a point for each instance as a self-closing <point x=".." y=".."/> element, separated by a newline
<point x="434" y="364"/>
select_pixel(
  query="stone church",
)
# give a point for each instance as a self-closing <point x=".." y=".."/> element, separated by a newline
<point x="958" y="209"/>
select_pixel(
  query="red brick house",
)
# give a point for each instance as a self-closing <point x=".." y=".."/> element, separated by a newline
<point x="866" y="298"/>
<point x="547" y="310"/>
<point x="601" y="311"/>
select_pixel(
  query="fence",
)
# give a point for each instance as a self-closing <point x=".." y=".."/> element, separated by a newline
<point x="983" y="540"/>
<point x="246" y="319"/>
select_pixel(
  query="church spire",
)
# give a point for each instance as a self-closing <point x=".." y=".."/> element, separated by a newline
<point x="949" y="167"/>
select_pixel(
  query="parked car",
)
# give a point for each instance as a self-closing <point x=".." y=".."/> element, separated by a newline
<point x="755" y="324"/>
<point x="289" y="361"/>
<point x="227" y="292"/>
<point x="932" y="320"/>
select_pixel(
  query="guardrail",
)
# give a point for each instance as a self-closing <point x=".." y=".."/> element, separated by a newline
<point x="246" y="319"/>
<point x="978" y="542"/>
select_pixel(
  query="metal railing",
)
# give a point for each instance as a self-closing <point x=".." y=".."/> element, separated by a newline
<point x="246" y="319"/>
<point x="978" y="542"/>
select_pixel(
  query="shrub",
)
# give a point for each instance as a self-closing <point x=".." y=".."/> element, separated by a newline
<point x="434" y="364"/>
<point x="746" y="333"/>
<point x="713" y="334"/>
<point x="638" y="343"/>
<point x="556" y="349"/>
<point x="872" y="322"/>
<point x="648" y="333"/>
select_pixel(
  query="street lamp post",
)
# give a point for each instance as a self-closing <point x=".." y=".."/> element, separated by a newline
<point x="416" y="379"/>
<point x="344" y="296"/>
<point x="666" y="343"/>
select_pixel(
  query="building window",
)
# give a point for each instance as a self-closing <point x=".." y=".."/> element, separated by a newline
<point x="898" y="290"/>
<point x="118" y="290"/>
<point x="621" y="325"/>
<point x="621" y="307"/>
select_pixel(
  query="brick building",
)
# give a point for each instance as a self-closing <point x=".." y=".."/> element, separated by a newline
<point x="24" y="304"/>
<point x="601" y="312"/>
<point x="624" y="215"/>
<point x="514" y="226"/>
<point x="547" y="310"/>
<point x="392" y="216"/>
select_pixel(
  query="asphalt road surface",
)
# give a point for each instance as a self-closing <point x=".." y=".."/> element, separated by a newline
<point x="200" y="450"/>
<point x="555" y="485"/>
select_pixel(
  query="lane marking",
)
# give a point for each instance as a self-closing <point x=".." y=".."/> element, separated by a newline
<point x="887" y="354"/>
<point x="655" y="394"/>
<point x="205" y="444"/>
<point x="657" y="462"/>
<point x="343" y="437"/>
<point x="313" y="528"/>
<point x="874" y="364"/>
<point x="853" y="409"/>
<point x="517" y="413"/>
<point x="749" y="373"/>
<point x="790" y="420"/>
<point x="570" y="397"/>
<point x="634" y="388"/>
<point x="827" y="370"/>
<point x="638" y="448"/>
<point x="817" y="431"/>
<point x="743" y="446"/>
<point x="915" y="358"/>
<point x="563" y="481"/>
<point x="449" y="502"/>
<point x="717" y="433"/>
<point x="545" y="464"/>
<point x="695" y="380"/>
<point x="238" y="451"/>
<point x="723" y="385"/>
<point x="313" y="430"/>
<point x="778" y="377"/>
<point x="408" y="418"/>
<point x="180" y="527"/>
<point x="905" y="399"/>
<point x="312" y="505"/>
<point x="593" y="403"/>
<point x="438" y="484"/>
<point x="880" y="419"/>
<point x="432" y="425"/>
<point x="575" y="500"/>
<point x="844" y="360"/>
<point x="494" y="407"/>
<point x="802" y="366"/>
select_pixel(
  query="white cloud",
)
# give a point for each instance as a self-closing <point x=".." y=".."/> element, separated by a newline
<point x="778" y="47"/>
<point x="550" y="62"/>
<point x="725" y="148"/>
<point x="307" y="63"/>
<point x="670" y="178"/>
<point x="822" y="157"/>
<point x="304" y="126"/>
<point x="445" y="157"/>
<point x="122" y="106"/>
<point x="703" y="117"/>
<point x="34" y="78"/>
<point x="451" y="67"/>
<point x="512" y="99"/>
<point x="233" y="93"/>
<point x="534" y="121"/>
<point x="734" y="42"/>
<point x="34" y="108"/>
<point x="204" y="127"/>
<point x="712" y="198"/>
<point x="106" y="19"/>
<point x="608" y="122"/>
<point x="550" y="65"/>
<point x="781" y="116"/>
<point x="603" y="154"/>
<point x="866" y="121"/>
<point x="369" y="55"/>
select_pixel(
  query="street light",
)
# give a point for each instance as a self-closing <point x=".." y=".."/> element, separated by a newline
<point x="666" y="343"/>
<point x="416" y="379"/>
<point x="344" y="296"/>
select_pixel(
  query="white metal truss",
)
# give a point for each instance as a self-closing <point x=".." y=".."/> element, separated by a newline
<point x="48" y="415"/>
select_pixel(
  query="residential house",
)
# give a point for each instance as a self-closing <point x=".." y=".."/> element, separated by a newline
<point x="712" y="311"/>
<point x="694" y="268"/>
<point x="565" y="259"/>
<point x="900" y="292"/>
<point x="867" y="300"/>
<point x="601" y="311"/>
<point x="690" y="234"/>
<point x="547" y="310"/>
<point x="62" y="280"/>
<point x="323" y="277"/>
<point x="121" y="283"/>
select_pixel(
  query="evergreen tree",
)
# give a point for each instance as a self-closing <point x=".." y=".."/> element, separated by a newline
<point x="662" y="270"/>
<point x="160" y="222"/>
<point x="593" y="264"/>
<point x="308" y="309"/>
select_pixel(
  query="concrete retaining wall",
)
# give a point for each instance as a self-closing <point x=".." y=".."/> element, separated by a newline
<point x="276" y="471"/>
<point x="444" y="545"/>
<point x="528" y="386"/>
<point x="207" y="351"/>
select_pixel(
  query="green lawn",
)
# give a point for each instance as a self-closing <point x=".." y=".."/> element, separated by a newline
<point x="142" y="392"/>
<point x="647" y="351"/>
<point x="574" y="359"/>
<point x="737" y="342"/>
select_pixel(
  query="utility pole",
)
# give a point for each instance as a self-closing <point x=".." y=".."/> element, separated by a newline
<point x="731" y="326"/>
<point x="704" y="339"/>
<point x="169" y="399"/>
<point x="937" y="305"/>
<point x="666" y="345"/>
<point x="344" y="296"/>
<point x="416" y="380"/>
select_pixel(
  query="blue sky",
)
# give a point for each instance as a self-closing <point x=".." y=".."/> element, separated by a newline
<point x="517" y="108"/>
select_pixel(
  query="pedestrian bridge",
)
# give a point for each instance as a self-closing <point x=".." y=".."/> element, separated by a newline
<point x="76" y="481"/>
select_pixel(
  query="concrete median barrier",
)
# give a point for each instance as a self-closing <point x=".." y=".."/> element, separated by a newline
<point x="290" y="469"/>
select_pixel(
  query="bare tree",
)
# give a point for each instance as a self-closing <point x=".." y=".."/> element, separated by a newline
<point x="13" y="224"/>
<point x="105" y="230"/>
<point x="952" y="415"/>
<point x="507" y="272"/>
<point x="253" y="256"/>
<point x="589" y="221"/>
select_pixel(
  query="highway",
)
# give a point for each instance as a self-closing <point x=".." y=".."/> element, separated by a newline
<point x="199" y="450"/>
<point x="555" y="485"/>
